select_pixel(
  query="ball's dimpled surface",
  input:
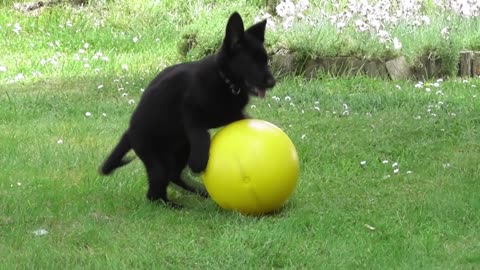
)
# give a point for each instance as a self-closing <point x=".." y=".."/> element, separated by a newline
<point x="253" y="167"/>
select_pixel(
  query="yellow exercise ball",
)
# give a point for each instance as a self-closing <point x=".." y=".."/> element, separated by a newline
<point x="253" y="167"/>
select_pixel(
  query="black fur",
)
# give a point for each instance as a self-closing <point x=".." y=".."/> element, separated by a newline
<point x="169" y="127"/>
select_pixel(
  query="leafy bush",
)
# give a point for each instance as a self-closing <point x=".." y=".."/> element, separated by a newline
<point x="204" y="35"/>
<point x="365" y="29"/>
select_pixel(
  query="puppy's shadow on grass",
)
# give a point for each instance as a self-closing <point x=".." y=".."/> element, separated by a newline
<point x="212" y="207"/>
<point x="207" y="208"/>
<point x="193" y="202"/>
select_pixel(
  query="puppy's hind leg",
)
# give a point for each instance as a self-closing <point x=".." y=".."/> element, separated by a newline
<point x="158" y="183"/>
<point x="180" y="163"/>
<point x="181" y="183"/>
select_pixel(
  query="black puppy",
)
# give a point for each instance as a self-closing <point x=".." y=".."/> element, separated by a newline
<point x="169" y="127"/>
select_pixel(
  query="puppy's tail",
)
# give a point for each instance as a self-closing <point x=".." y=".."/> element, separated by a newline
<point x="116" y="158"/>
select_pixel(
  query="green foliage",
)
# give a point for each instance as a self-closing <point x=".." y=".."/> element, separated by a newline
<point x="325" y="40"/>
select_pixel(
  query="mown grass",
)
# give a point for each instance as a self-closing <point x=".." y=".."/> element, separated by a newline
<point x="342" y="215"/>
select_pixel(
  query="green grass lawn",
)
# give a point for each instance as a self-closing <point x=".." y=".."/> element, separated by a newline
<point x="351" y="209"/>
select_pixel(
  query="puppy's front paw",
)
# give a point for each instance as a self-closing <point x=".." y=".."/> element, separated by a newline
<point x="198" y="164"/>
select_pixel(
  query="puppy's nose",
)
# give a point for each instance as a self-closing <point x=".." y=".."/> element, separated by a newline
<point x="270" y="82"/>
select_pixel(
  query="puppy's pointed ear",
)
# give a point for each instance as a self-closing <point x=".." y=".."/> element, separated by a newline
<point x="234" y="32"/>
<point x="258" y="30"/>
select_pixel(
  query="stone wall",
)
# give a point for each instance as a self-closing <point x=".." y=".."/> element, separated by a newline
<point x="427" y="67"/>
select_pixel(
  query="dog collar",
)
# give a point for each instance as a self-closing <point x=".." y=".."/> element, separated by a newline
<point x="235" y="90"/>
